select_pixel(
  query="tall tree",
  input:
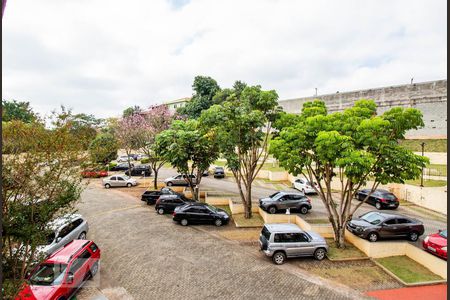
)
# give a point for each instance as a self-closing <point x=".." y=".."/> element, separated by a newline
<point x="243" y="124"/>
<point x="204" y="88"/>
<point x="354" y="147"/>
<point x="190" y="148"/>
<point x="132" y="110"/>
<point x="103" y="148"/>
<point x="40" y="182"/>
<point x="21" y="111"/>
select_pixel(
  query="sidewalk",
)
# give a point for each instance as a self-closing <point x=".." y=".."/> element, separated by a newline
<point x="435" y="292"/>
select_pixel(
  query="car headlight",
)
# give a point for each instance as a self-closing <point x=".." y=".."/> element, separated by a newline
<point x="444" y="248"/>
<point x="426" y="239"/>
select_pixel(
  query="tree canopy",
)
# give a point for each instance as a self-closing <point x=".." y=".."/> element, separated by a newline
<point x="21" y="111"/>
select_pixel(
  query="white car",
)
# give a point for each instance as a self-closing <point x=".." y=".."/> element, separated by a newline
<point x="123" y="158"/>
<point x="119" y="180"/>
<point x="304" y="186"/>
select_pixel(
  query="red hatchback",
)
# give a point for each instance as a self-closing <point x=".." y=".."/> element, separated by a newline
<point x="94" y="174"/>
<point x="436" y="243"/>
<point x="63" y="273"/>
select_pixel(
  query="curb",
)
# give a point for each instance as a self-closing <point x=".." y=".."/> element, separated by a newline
<point x="348" y="259"/>
<point x="434" y="282"/>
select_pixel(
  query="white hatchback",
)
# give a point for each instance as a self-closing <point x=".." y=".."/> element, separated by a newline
<point x="304" y="186"/>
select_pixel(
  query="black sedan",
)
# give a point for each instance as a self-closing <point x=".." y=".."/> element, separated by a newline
<point x="151" y="196"/>
<point x="379" y="198"/>
<point x="121" y="167"/>
<point x="141" y="170"/>
<point x="219" y="172"/>
<point x="200" y="213"/>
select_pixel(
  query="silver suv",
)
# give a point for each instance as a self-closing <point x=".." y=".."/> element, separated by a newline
<point x="281" y="241"/>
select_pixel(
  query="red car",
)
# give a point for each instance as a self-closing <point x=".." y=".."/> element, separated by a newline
<point x="94" y="174"/>
<point x="436" y="243"/>
<point x="63" y="273"/>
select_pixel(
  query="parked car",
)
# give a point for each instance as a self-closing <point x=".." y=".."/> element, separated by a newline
<point x="283" y="200"/>
<point x="122" y="158"/>
<point x="63" y="273"/>
<point x="121" y="167"/>
<point x="92" y="173"/>
<point x="379" y="198"/>
<point x="436" y="243"/>
<point x="64" y="230"/>
<point x="179" y="180"/>
<point x="200" y="213"/>
<point x="205" y="173"/>
<point x="167" y="203"/>
<point x="375" y="225"/>
<point x="281" y="241"/>
<point x="140" y="170"/>
<point x="304" y="186"/>
<point x="141" y="156"/>
<point x="151" y="196"/>
<point x="219" y="172"/>
<point x="134" y="156"/>
<point x="119" y="180"/>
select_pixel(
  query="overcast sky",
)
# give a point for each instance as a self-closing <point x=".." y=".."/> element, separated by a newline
<point x="101" y="56"/>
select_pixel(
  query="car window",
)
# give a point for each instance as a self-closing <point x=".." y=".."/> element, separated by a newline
<point x="403" y="221"/>
<point x="79" y="261"/>
<point x="443" y="234"/>
<point x="178" y="201"/>
<point x="113" y="178"/>
<point x="265" y="232"/>
<point x="48" y="274"/>
<point x="391" y="222"/>
<point x="64" y="231"/>
<point x="372" y="217"/>
<point x="178" y="177"/>
<point x="300" y="237"/>
<point x="76" y="223"/>
<point x="296" y="197"/>
<point x="93" y="247"/>
<point x="286" y="238"/>
<point x="120" y="179"/>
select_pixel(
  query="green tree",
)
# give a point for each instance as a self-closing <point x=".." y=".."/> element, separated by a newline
<point x="131" y="111"/>
<point x="190" y="148"/>
<point x="243" y="123"/>
<point x="103" y="148"/>
<point x="353" y="148"/>
<point x="40" y="182"/>
<point x="21" y="111"/>
<point x="204" y="90"/>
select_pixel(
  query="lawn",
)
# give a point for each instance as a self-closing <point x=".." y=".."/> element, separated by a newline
<point x="318" y="221"/>
<point x="430" y="145"/>
<point x="407" y="269"/>
<point x="255" y="221"/>
<point x="436" y="170"/>
<point x="428" y="183"/>
<point x="350" y="251"/>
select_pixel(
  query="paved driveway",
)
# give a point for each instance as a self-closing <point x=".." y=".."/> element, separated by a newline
<point x="151" y="257"/>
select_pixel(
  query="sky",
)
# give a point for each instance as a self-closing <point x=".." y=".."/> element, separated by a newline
<point x="102" y="56"/>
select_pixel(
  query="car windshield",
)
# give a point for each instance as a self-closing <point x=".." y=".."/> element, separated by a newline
<point x="372" y="218"/>
<point x="48" y="274"/>
<point x="443" y="233"/>
<point x="211" y="208"/>
<point x="273" y="195"/>
<point x="50" y="238"/>
<point x="125" y="177"/>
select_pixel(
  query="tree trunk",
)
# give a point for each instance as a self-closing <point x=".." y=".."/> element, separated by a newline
<point x="340" y="237"/>
<point x="248" y="202"/>
<point x="155" y="181"/>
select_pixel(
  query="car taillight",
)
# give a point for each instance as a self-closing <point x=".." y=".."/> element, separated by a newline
<point x="383" y="200"/>
<point x="174" y="214"/>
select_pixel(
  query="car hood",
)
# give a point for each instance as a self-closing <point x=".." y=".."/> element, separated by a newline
<point x="437" y="239"/>
<point x="361" y="223"/>
<point x="265" y="199"/>
<point x="222" y="212"/>
<point x="316" y="237"/>
<point x="37" y="292"/>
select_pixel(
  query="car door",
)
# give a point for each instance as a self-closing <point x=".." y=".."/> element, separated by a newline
<point x="389" y="228"/>
<point x="283" y="202"/>
<point x="193" y="215"/>
<point x="287" y="242"/>
<point x="79" y="269"/>
<point x="178" y="180"/>
<point x="404" y="226"/>
<point x="304" y="245"/>
<point x="113" y="181"/>
<point x="208" y="216"/>
<point x="63" y="237"/>
<point x="121" y="181"/>
<point x="295" y="201"/>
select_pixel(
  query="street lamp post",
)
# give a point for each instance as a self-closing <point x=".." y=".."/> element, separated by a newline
<point x="421" y="178"/>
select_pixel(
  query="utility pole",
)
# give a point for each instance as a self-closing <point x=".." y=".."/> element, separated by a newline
<point x="316" y="92"/>
<point x="412" y="79"/>
<point x="421" y="178"/>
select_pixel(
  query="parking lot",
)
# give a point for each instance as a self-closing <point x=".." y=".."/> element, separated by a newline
<point x="150" y="257"/>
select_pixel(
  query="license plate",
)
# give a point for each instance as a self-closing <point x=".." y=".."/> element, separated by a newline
<point x="431" y="248"/>
<point x="392" y="204"/>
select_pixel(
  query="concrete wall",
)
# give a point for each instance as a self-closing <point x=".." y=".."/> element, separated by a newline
<point x="434" y="198"/>
<point x="429" y="97"/>
<point x="237" y="208"/>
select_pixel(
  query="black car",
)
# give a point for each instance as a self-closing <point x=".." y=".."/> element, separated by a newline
<point x="167" y="203"/>
<point x="141" y="170"/>
<point x="219" y="172"/>
<point x="200" y="213"/>
<point x="151" y="196"/>
<point x="121" y="167"/>
<point x="374" y="225"/>
<point x="379" y="198"/>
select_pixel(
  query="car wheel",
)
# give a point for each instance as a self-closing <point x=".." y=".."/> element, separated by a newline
<point x="93" y="270"/>
<point x="373" y="237"/>
<point x="278" y="258"/>
<point x="218" y="222"/>
<point x="413" y="236"/>
<point x="184" y="222"/>
<point x="378" y="205"/>
<point x="82" y="236"/>
<point x="107" y="186"/>
<point x="303" y="210"/>
<point x="129" y="184"/>
<point x="169" y="183"/>
<point x="160" y="211"/>
<point x="319" y="254"/>
<point x="272" y="210"/>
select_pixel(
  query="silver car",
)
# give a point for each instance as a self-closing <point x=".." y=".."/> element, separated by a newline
<point x="179" y="180"/>
<point x="64" y="230"/>
<point x="281" y="241"/>
<point x="119" y="180"/>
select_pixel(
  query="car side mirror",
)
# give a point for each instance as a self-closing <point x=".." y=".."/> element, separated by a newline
<point x="70" y="277"/>
<point x="58" y="239"/>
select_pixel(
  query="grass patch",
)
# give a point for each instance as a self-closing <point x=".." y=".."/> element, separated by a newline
<point x="430" y="145"/>
<point x="407" y="269"/>
<point x="225" y="208"/>
<point x="255" y="221"/>
<point x="318" y="221"/>
<point x="350" y="251"/>
<point x="428" y="183"/>
<point x="436" y="170"/>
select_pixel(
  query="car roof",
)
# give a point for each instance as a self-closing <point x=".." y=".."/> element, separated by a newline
<point x="390" y="215"/>
<point x="283" y="227"/>
<point x="67" y="218"/>
<point x="65" y="254"/>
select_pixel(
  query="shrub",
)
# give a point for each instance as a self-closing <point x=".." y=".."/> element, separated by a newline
<point x="145" y="160"/>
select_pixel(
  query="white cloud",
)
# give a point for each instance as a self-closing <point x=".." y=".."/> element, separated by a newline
<point x="100" y="56"/>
